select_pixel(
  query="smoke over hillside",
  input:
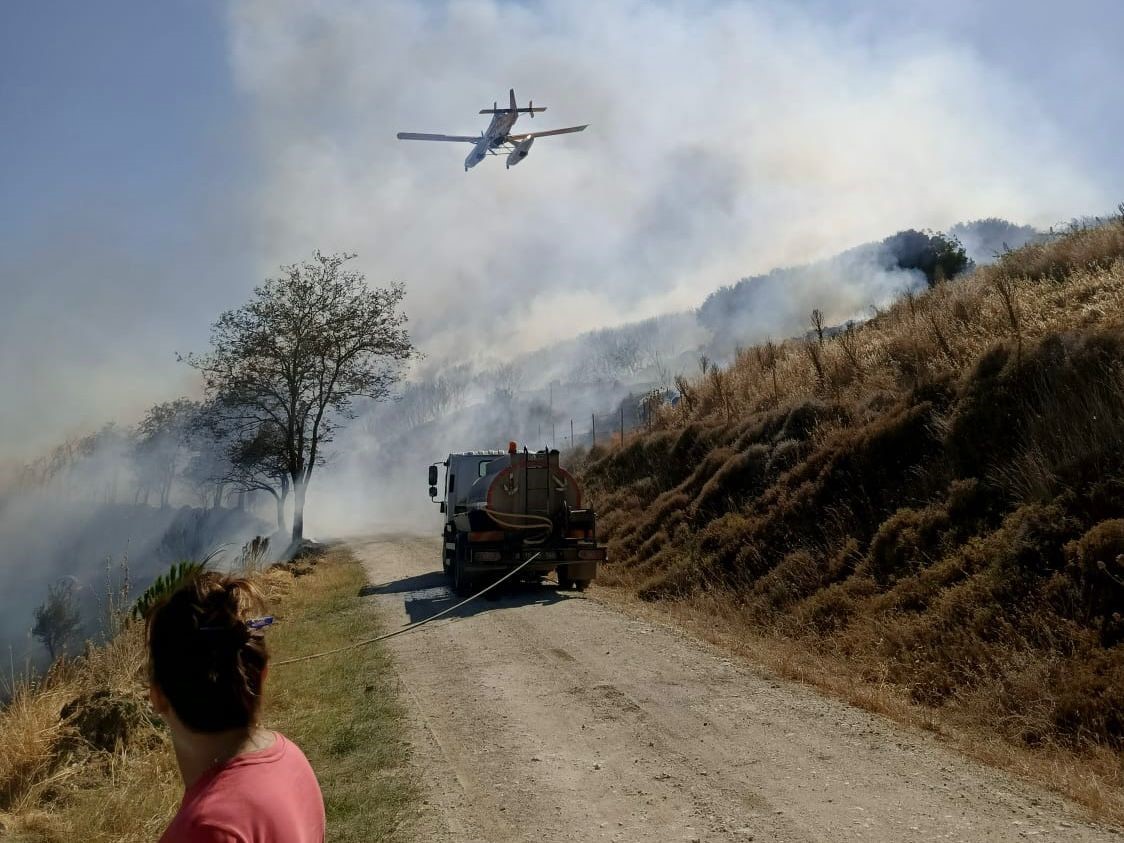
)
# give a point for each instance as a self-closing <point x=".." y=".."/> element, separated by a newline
<point x="105" y="512"/>
<point x="725" y="139"/>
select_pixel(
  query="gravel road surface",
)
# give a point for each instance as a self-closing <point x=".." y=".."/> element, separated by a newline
<point x="547" y="716"/>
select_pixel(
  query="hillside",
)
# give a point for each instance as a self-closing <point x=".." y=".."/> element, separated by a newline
<point x="933" y="500"/>
<point x="606" y="374"/>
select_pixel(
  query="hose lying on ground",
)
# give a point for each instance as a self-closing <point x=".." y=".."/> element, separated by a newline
<point x="411" y="626"/>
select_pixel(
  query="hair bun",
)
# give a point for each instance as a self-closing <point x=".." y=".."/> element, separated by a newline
<point x="207" y="651"/>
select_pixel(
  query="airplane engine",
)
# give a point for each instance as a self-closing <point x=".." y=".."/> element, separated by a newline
<point x="521" y="151"/>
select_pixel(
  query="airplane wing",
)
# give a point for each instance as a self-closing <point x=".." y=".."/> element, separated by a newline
<point x="545" y="134"/>
<point x="422" y="136"/>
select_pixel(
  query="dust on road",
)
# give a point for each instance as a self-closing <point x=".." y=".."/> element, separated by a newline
<point x="546" y="716"/>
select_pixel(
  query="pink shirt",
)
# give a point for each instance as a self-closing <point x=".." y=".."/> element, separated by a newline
<point x="269" y="796"/>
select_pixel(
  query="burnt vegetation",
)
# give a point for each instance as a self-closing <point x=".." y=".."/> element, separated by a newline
<point x="935" y="497"/>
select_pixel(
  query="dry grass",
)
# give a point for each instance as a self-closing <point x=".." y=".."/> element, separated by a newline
<point x="55" y="787"/>
<point x="924" y="515"/>
<point x="1071" y="283"/>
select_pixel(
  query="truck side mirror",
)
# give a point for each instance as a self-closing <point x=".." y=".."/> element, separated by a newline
<point x="433" y="491"/>
<point x="432" y="478"/>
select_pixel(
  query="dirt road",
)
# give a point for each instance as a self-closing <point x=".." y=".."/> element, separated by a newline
<point x="546" y="716"/>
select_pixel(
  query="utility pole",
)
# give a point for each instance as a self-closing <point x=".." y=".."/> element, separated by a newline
<point x="622" y="424"/>
<point x="592" y="429"/>
<point x="571" y="434"/>
<point x="553" y="443"/>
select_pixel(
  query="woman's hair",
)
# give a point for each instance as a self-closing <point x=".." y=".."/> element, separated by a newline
<point x="204" y="656"/>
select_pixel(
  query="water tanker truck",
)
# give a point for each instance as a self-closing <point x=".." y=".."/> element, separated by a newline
<point x="502" y="507"/>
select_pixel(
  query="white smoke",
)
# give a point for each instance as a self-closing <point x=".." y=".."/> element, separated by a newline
<point x="725" y="139"/>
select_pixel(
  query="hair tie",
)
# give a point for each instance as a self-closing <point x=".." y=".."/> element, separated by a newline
<point x="252" y="623"/>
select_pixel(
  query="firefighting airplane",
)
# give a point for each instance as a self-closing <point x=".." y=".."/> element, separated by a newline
<point x="497" y="135"/>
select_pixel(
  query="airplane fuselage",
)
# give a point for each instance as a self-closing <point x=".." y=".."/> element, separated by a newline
<point x="494" y="136"/>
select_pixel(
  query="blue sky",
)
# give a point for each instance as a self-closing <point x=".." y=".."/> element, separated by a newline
<point x="121" y="152"/>
<point x="1067" y="54"/>
<point x="159" y="158"/>
<point x="116" y="104"/>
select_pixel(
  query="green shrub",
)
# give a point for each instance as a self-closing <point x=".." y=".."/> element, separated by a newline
<point x="167" y="583"/>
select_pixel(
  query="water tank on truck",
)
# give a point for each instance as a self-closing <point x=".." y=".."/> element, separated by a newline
<point x="502" y="507"/>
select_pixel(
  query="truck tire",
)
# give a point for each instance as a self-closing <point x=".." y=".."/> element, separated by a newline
<point x="462" y="582"/>
<point x="581" y="585"/>
<point x="564" y="581"/>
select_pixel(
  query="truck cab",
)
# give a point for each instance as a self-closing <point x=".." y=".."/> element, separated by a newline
<point x="461" y="471"/>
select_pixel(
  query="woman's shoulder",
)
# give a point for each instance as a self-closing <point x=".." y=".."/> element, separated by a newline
<point x="279" y="751"/>
<point x="275" y="785"/>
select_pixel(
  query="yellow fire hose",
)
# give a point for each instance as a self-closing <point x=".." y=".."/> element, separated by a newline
<point x="540" y="522"/>
<point x="411" y="626"/>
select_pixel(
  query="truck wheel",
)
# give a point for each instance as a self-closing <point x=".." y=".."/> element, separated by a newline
<point x="446" y="562"/>
<point x="581" y="585"/>
<point x="564" y="581"/>
<point x="462" y="583"/>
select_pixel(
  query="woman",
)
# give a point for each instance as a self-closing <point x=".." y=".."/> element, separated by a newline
<point x="207" y="664"/>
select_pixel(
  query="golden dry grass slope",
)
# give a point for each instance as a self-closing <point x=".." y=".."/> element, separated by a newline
<point x="80" y="758"/>
<point x="932" y="500"/>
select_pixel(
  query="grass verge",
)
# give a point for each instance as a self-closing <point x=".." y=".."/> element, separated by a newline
<point x="341" y="710"/>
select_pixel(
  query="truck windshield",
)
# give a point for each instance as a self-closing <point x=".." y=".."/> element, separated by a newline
<point x="484" y="467"/>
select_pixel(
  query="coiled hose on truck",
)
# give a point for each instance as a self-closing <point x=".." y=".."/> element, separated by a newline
<point x="544" y="524"/>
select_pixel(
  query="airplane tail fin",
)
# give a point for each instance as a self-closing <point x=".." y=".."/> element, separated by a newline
<point x="495" y="109"/>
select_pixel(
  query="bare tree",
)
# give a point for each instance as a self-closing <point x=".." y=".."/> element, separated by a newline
<point x="161" y="436"/>
<point x="209" y="468"/>
<point x="686" y="392"/>
<point x="299" y="353"/>
<point x="610" y="353"/>
<point x="507" y="382"/>
<point x="720" y="381"/>
<point x="818" y="325"/>
<point x="57" y="621"/>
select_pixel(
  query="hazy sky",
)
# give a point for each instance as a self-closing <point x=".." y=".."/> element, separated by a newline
<point x="158" y="159"/>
